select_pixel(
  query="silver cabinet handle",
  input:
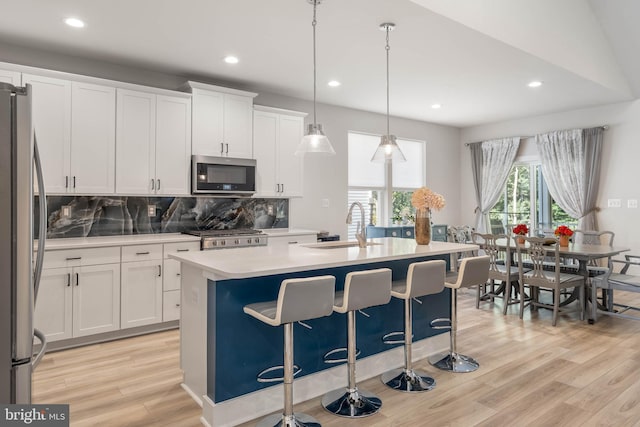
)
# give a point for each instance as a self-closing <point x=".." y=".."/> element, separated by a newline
<point x="142" y="253"/>
<point x="182" y="250"/>
<point x="178" y="274"/>
<point x="159" y="271"/>
<point x="68" y="280"/>
<point x="222" y="148"/>
<point x="177" y="305"/>
<point x="158" y="185"/>
<point x="153" y="184"/>
<point x="77" y="279"/>
<point x="227" y="152"/>
<point x="293" y="243"/>
<point x="74" y="258"/>
<point x="283" y="188"/>
<point x="66" y="181"/>
<point x="74" y="182"/>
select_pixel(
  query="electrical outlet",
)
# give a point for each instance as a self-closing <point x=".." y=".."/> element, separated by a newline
<point x="269" y="209"/>
<point x="614" y="203"/>
<point x="66" y="211"/>
<point x="325" y="203"/>
<point x="152" y="210"/>
<point x="632" y="203"/>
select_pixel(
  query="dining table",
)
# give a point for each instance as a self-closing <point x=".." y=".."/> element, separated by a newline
<point x="582" y="253"/>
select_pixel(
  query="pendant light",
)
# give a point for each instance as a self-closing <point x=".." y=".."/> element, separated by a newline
<point x="315" y="141"/>
<point x="388" y="150"/>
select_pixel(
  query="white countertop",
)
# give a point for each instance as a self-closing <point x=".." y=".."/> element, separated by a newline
<point x="268" y="260"/>
<point x="134" y="239"/>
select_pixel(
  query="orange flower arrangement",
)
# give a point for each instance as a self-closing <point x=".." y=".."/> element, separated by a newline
<point x="423" y="198"/>
<point x="563" y="230"/>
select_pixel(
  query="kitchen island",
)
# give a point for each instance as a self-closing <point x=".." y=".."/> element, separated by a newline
<point x="223" y="350"/>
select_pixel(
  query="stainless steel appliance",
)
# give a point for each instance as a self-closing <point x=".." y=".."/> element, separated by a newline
<point x="223" y="176"/>
<point x="238" y="238"/>
<point x="18" y="279"/>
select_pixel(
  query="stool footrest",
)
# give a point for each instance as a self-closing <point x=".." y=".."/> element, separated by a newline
<point x="441" y="323"/>
<point x="386" y="338"/>
<point x="327" y="359"/>
<point x="262" y="379"/>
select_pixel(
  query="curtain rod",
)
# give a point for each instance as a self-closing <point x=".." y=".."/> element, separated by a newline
<point x="604" y="127"/>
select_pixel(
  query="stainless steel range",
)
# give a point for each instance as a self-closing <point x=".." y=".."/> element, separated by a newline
<point x="235" y="238"/>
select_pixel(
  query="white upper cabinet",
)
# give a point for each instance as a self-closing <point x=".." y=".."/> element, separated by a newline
<point x="51" y="115"/>
<point x="153" y="133"/>
<point x="12" y="77"/>
<point x="276" y="135"/>
<point x="221" y="121"/>
<point x="93" y="138"/>
<point x="75" y="129"/>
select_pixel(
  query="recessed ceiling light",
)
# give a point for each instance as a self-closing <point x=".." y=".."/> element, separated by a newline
<point x="74" y="22"/>
<point x="436" y="106"/>
<point x="535" y="83"/>
<point x="231" y="59"/>
<point x="334" y="83"/>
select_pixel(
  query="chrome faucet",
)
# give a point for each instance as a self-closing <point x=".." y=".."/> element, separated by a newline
<point x="362" y="235"/>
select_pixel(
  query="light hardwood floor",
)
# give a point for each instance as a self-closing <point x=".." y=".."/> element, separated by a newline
<point x="531" y="374"/>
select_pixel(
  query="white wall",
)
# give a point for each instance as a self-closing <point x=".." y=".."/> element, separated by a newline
<point x="620" y="168"/>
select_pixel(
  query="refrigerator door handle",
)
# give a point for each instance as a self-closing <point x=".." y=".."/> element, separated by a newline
<point x="42" y="229"/>
<point x="38" y="357"/>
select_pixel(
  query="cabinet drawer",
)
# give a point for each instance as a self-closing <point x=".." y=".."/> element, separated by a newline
<point x="141" y="252"/>
<point x="408" y="232"/>
<point x="393" y="232"/>
<point x="172" y="248"/>
<point x="171" y="306"/>
<point x="79" y="257"/>
<point x="439" y="233"/>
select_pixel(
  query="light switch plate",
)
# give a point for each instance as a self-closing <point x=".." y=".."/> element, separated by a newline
<point x="270" y="210"/>
<point x="632" y="203"/>
<point x="614" y="203"/>
<point x="152" y="210"/>
<point x="66" y="211"/>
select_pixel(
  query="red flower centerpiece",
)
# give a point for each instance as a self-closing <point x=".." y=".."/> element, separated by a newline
<point x="520" y="230"/>
<point x="563" y="233"/>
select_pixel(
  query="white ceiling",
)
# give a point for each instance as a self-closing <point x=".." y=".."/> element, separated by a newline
<point x="474" y="57"/>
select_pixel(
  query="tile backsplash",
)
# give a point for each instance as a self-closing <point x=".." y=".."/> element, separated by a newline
<point x="84" y="216"/>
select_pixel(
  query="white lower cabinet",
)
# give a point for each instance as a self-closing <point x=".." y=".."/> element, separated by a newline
<point x="78" y="296"/>
<point x="141" y="302"/>
<point x="171" y="305"/>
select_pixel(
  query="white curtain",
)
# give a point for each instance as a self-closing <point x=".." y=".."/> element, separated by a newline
<point x="491" y="162"/>
<point x="571" y="169"/>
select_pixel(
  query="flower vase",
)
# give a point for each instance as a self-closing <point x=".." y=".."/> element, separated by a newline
<point x="564" y="241"/>
<point x="520" y="240"/>
<point x="423" y="226"/>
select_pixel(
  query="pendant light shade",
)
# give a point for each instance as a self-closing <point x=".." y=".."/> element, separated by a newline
<point x="388" y="150"/>
<point x="315" y="141"/>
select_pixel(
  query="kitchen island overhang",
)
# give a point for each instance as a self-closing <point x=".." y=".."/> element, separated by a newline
<point x="223" y="350"/>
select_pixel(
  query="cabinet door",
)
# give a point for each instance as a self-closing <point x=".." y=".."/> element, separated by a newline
<point x="135" y="142"/>
<point x="96" y="299"/>
<point x="238" y="117"/>
<point x="93" y="138"/>
<point x="53" y="311"/>
<point x="51" y="107"/>
<point x="141" y="293"/>
<point x="208" y="123"/>
<point x="171" y="279"/>
<point x="265" y="131"/>
<point x="289" y="166"/>
<point x="173" y="145"/>
<point x="12" y="77"/>
<point x="171" y="306"/>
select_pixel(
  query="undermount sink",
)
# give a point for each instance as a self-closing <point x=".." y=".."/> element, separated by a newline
<point x="336" y="245"/>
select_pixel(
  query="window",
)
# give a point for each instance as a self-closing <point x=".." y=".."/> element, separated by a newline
<point x="389" y="189"/>
<point x="526" y="200"/>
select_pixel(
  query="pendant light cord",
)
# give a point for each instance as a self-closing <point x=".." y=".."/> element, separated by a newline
<point x="387" y="48"/>
<point x="313" y="24"/>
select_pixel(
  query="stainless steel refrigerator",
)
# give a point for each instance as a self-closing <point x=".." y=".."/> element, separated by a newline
<point x="20" y="268"/>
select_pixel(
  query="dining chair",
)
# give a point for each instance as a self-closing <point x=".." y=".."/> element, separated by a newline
<point x="588" y="237"/>
<point x="460" y="234"/>
<point x="610" y="281"/>
<point x="540" y="250"/>
<point x="501" y="269"/>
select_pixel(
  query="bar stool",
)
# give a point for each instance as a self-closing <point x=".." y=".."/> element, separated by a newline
<point x="362" y="289"/>
<point x="423" y="278"/>
<point x="298" y="299"/>
<point x="473" y="271"/>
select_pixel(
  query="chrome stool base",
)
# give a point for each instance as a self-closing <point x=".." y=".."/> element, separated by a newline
<point x="410" y="381"/>
<point x="454" y="362"/>
<point x="351" y="403"/>
<point x="296" y="420"/>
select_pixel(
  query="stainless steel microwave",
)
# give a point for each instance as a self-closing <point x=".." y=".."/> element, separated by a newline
<point x="223" y="176"/>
